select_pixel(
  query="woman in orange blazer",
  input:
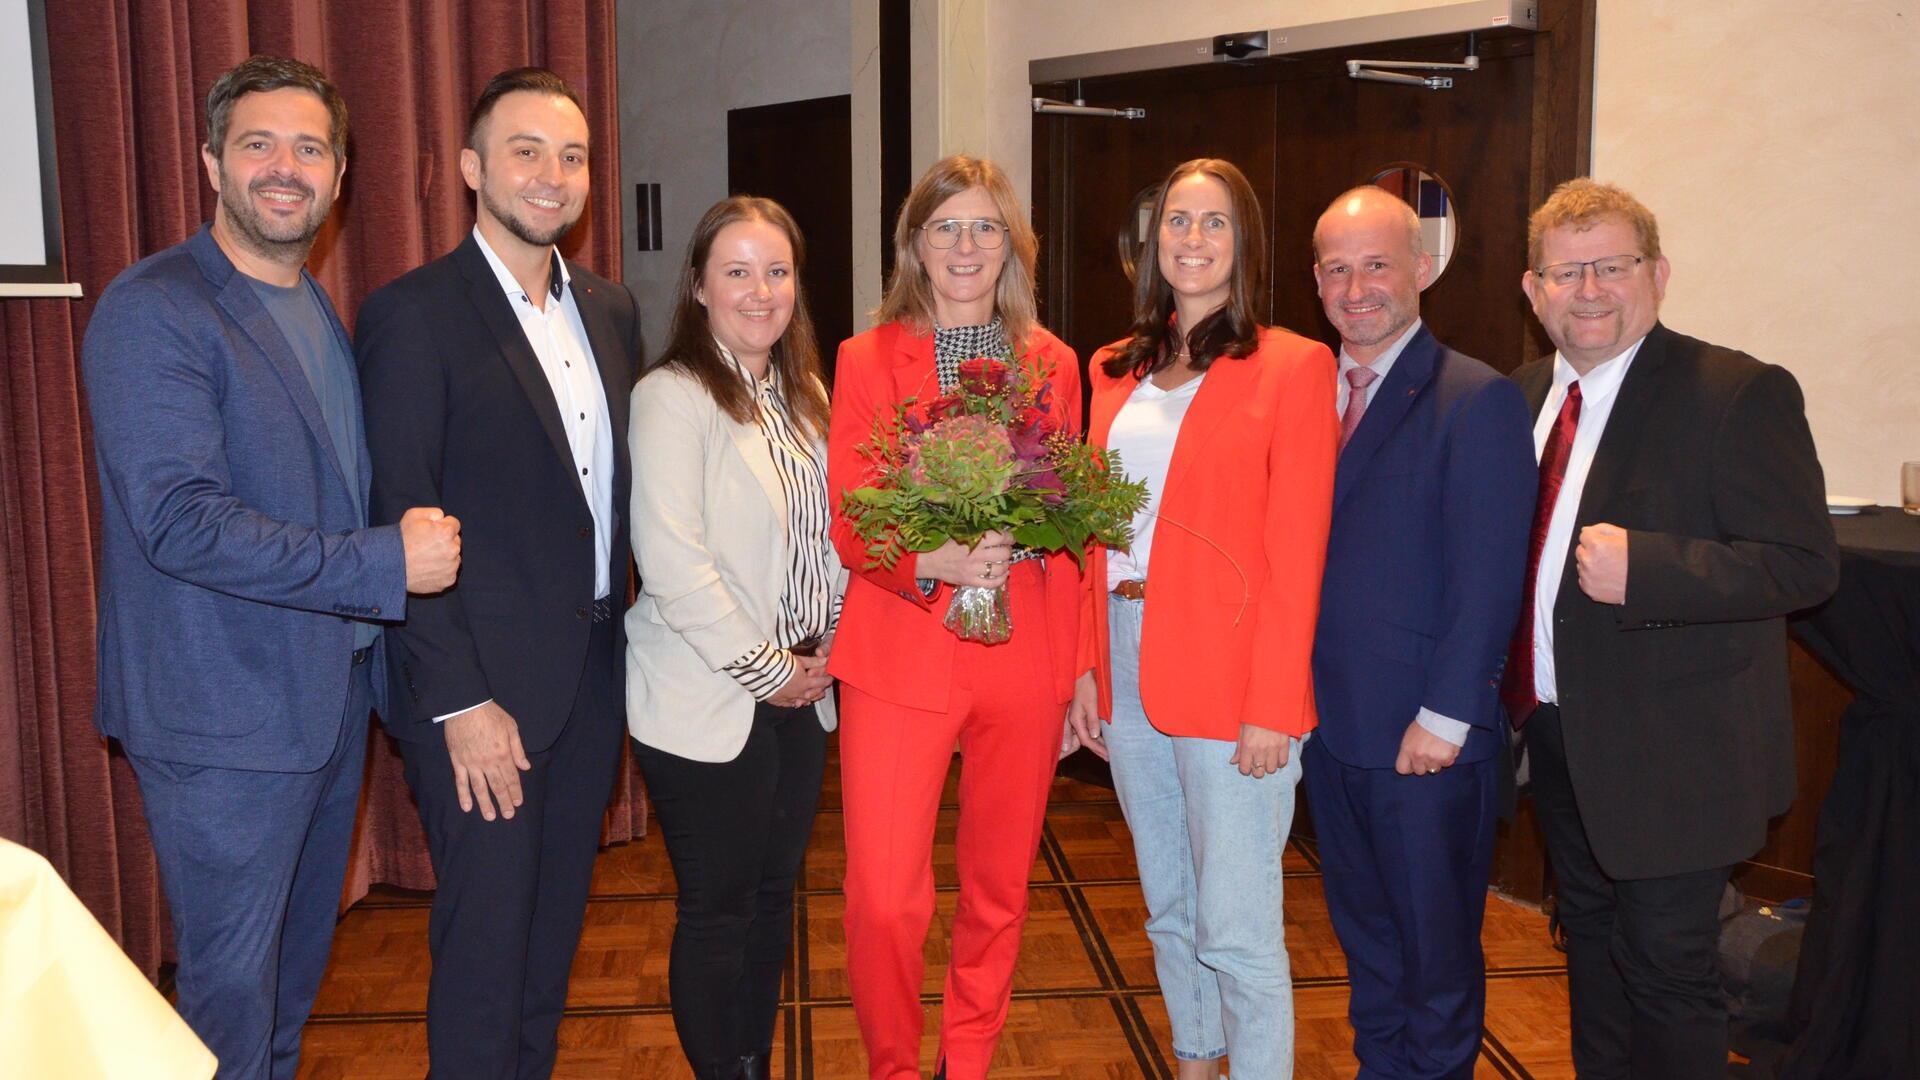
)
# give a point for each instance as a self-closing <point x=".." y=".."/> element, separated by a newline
<point x="1202" y="666"/>
<point x="962" y="287"/>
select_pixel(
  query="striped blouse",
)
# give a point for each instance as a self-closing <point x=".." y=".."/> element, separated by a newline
<point x="809" y="607"/>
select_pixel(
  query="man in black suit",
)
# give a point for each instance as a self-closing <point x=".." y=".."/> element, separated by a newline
<point x="497" y="377"/>
<point x="1681" y="518"/>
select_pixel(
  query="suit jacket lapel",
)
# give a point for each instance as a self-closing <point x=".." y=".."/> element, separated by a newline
<point x="609" y="358"/>
<point x="238" y="300"/>
<point x="913" y="368"/>
<point x="359" y="448"/>
<point x="1409" y="375"/>
<point x="1632" y="401"/>
<point x="496" y="311"/>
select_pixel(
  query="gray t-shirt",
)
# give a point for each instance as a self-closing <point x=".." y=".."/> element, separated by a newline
<point x="301" y="315"/>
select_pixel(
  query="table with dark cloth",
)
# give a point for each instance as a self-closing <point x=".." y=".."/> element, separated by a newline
<point x="1856" y="997"/>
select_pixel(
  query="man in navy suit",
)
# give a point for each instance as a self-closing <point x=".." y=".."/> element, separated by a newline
<point x="1432" y="501"/>
<point x="240" y="588"/>
<point x="497" y="380"/>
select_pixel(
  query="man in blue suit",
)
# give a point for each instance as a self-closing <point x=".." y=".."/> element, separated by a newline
<point x="240" y="589"/>
<point x="1433" y="499"/>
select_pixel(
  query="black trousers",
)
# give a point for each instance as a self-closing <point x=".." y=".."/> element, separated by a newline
<point x="1642" y="955"/>
<point x="736" y="832"/>
<point x="513" y="891"/>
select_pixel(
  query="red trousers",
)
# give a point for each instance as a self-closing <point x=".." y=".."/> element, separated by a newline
<point x="1004" y="712"/>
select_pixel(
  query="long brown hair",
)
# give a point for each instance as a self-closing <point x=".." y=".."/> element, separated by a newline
<point x="909" y="296"/>
<point x="796" y="356"/>
<point x="1234" y="330"/>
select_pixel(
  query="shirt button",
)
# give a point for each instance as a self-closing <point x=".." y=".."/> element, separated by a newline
<point x="583" y="472"/>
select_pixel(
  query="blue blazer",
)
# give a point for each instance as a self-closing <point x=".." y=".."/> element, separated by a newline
<point x="231" y="547"/>
<point x="1432" y="507"/>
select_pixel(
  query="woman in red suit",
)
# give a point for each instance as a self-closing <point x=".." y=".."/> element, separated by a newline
<point x="1202" y="666"/>
<point x="962" y="287"/>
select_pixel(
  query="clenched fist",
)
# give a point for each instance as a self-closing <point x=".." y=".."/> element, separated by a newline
<point x="1601" y="559"/>
<point x="432" y="543"/>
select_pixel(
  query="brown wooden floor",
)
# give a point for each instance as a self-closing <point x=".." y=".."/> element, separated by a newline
<point x="1085" y="1004"/>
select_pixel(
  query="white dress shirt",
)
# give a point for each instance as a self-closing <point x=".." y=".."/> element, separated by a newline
<point x="1599" y="389"/>
<point x="1438" y="724"/>
<point x="559" y="341"/>
<point x="1144" y="432"/>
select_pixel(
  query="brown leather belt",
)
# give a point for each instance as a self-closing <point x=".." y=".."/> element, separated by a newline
<point x="1135" y="589"/>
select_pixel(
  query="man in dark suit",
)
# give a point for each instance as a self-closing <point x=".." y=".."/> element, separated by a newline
<point x="1431" y="503"/>
<point x="1681" y="517"/>
<point x="239" y="582"/>
<point x="497" y="378"/>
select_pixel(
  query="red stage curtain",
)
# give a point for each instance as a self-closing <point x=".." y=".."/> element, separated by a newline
<point x="129" y="79"/>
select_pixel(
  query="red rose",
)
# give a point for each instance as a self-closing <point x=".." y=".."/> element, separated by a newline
<point x="983" y="375"/>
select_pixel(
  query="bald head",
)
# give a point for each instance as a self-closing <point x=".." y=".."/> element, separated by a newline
<point x="1370" y="269"/>
<point x="1373" y="207"/>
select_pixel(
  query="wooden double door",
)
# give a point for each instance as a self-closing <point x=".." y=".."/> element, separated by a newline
<point x="1303" y="132"/>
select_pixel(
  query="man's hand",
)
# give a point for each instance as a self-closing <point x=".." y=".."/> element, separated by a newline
<point x="1423" y="753"/>
<point x="984" y="565"/>
<point x="1083" y="717"/>
<point x="484" y="743"/>
<point x="1602" y="560"/>
<point x="808" y="683"/>
<point x="431" y="540"/>
<point x="1261" y="752"/>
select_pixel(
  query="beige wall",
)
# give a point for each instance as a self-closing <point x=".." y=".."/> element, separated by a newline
<point x="683" y="64"/>
<point x="1779" y="143"/>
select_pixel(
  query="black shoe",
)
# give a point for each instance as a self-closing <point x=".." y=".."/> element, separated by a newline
<point x="757" y="1066"/>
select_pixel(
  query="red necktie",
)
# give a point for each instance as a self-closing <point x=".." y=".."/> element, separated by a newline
<point x="1516" y="686"/>
<point x="1358" y="379"/>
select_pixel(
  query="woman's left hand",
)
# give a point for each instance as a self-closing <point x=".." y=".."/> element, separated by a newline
<point x="1261" y="751"/>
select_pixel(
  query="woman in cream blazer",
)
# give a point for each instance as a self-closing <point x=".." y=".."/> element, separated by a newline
<point x="727" y="692"/>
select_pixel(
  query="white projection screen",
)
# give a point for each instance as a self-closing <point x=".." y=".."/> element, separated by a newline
<point x="31" y="262"/>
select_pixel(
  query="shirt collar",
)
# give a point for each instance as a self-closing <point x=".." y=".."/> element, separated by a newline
<point x="1384" y="362"/>
<point x="1603" y="380"/>
<point x="558" y="276"/>
<point x="756" y="385"/>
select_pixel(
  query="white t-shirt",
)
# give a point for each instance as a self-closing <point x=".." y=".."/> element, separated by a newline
<point x="1144" y="433"/>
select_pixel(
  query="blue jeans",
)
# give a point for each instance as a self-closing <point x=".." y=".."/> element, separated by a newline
<point x="1208" y="842"/>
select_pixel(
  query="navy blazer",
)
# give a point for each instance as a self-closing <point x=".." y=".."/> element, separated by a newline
<point x="1432" y="508"/>
<point x="231" y="551"/>
<point x="460" y="414"/>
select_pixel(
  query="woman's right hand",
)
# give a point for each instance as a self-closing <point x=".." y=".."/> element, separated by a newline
<point x="808" y="683"/>
<point x="984" y="565"/>
<point x="1083" y="715"/>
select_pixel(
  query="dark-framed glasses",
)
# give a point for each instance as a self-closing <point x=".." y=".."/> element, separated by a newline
<point x="1610" y="269"/>
<point x="945" y="232"/>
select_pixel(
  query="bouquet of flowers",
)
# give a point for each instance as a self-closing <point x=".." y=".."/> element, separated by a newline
<point x="992" y="454"/>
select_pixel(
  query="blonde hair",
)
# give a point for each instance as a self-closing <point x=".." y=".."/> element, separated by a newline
<point x="1580" y="204"/>
<point x="909" y="296"/>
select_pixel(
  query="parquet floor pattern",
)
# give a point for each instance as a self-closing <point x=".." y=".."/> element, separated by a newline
<point x="1085" y="1005"/>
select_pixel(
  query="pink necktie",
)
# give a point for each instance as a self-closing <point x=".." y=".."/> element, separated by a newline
<point x="1357" y="378"/>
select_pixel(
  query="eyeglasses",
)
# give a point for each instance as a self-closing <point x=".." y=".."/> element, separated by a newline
<point x="1606" y="271"/>
<point x="944" y="233"/>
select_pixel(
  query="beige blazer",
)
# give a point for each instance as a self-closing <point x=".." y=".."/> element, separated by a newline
<point x="709" y="527"/>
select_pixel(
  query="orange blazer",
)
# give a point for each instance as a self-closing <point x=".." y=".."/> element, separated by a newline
<point x="891" y="642"/>
<point x="1233" y="591"/>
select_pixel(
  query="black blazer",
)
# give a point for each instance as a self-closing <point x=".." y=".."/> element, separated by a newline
<point x="1675" y="704"/>
<point x="460" y="416"/>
